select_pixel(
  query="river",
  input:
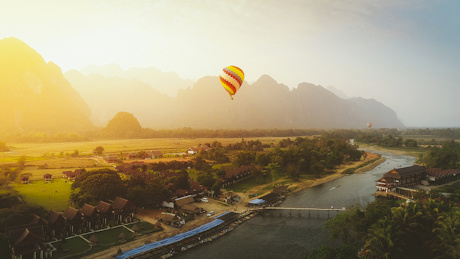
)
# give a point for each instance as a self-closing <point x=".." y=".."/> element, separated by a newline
<point x="280" y="235"/>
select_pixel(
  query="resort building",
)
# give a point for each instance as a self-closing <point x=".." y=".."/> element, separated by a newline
<point x="402" y="177"/>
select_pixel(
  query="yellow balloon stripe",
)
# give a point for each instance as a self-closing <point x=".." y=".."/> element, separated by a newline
<point x="228" y="86"/>
<point x="237" y="71"/>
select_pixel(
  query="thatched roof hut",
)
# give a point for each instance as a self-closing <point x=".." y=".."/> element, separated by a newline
<point x="135" y="228"/>
<point x="122" y="235"/>
<point x="94" y="239"/>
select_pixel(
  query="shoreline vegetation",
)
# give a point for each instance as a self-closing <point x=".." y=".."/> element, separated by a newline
<point x="340" y="172"/>
<point x="370" y="162"/>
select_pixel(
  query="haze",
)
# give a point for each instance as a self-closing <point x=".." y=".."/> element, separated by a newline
<point x="401" y="53"/>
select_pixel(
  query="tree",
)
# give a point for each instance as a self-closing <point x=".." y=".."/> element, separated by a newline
<point x="272" y="169"/>
<point x="216" y="188"/>
<point x="93" y="186"/>
<point x="263" y="159"/>
<point x="206" y="179"/>
<point x="245" y="158"/>
<point x="380" y="244"/>
<point x="447" y="239"/>
<point x="181" y="181"/>
<point x="98" y="150"/>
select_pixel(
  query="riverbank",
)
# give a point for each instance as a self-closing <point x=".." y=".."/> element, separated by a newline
<point x="282" y="235"/>
<point x="307" y="183"/>
<point x="219" y="208"/>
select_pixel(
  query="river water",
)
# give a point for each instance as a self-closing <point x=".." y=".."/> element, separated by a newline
<point x="294" y="235"/>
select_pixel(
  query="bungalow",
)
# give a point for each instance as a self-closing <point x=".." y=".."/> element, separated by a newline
<point x="73" y="220"/>
<point x="183" y="201"/>
<point x="236" y="174"/>
<point x="111" y="158"/>
<point x="56" y="224"/>
<point x="47" y="177"/>
<point x="204" y="148"/>
<point x="123" y="210"/>
<point x="196" y="187"/>
<point x="132" y="155"/>
<point x="168" y="218"/>
<point x="192" y="151"/>
<point x="155" y="154"/>
<point x="72" y="175"/>
<point x="25" y="179"/>
<point x="27" y="241"/>
<point x="402" y="177"/>
<point x="105" y="213"/>
<point x="190" y="209"/>
<point x="181" y="193"/>
<point x="90" y="216"/>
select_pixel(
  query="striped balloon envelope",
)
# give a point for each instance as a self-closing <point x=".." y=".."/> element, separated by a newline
<point x="232" y="78"/>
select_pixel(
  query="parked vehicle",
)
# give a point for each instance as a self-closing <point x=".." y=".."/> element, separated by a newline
<point x="204" y="199"/>
<point x="211" y="213"/>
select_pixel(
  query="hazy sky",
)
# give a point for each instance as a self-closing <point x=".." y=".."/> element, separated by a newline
<point x="404" y="54"/>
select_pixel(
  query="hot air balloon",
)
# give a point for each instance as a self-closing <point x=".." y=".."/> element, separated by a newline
<point x="231" y="78"/>
<point x="369" y="125"/>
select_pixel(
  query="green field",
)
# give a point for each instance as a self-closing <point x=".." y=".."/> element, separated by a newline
<point x="167" y="145"/>
<point x="37" y="174"/>
<point x="53" y="195"/>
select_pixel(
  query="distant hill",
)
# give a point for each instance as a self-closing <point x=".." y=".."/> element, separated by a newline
<point x="35" y="96"/>
<point x="123" y="125"/>
<point x="164" y="82"/>
<point x="108" y="96"/>
<point x="263" y="104"/>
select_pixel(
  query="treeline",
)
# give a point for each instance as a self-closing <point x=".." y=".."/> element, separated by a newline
<point x="445" y="157"/>
<point x="385" y="140"/>
<point x="384" y="229"/>
<point x="301" y="156"/>
<point x="186" y="132"/>
<point x="43" y="137"/>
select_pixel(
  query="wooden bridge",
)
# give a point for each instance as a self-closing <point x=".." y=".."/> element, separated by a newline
<point x="298" y="211"/>
<point x="314" y="209"/>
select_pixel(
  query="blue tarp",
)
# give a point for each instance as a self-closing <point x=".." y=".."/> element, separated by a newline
<point x="171" y="240"/>
<point x="257" y="201"/>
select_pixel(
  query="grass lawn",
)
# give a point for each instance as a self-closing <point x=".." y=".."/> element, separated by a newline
<point x="250" y="182"/>
<point x="37" y="174"/>
<point x="146" y="228"/>
<point x="110" y="237"/>
<point x="76" y="247"/>
<point x="72" y="246"/>
<point x="53" y="195"/>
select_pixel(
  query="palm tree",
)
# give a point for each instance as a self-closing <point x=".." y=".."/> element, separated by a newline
<point x="380" y="242"/>
<point x="447" y="231"/>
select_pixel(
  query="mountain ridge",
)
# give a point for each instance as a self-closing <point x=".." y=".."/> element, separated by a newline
<point x="36" y="95"/>
<point x="260" y="105"/>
